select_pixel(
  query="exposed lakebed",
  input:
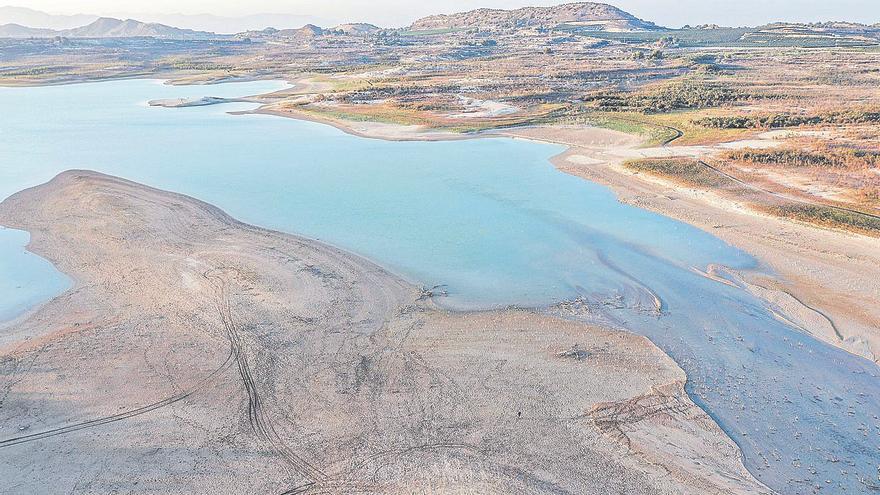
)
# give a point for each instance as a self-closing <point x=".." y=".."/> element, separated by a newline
<point x="495" y="223"/>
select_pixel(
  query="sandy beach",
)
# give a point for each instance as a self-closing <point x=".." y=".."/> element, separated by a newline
<point x="199" y="354"/>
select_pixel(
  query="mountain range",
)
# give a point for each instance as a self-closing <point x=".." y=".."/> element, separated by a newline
<point x="26" y="17"/>
<point x="31" y="18"/>
<point x="107" y="27"/>
<point x="230" y="25"/>
<point x="592" y="15"/>
<point x="16" y="22"/>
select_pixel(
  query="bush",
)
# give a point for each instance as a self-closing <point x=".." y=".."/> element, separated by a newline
<point x="841" y="158"/>
<point x="679" y="96"/>
<point x="781" y="120"/>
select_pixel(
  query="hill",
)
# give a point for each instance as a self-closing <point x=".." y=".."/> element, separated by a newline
<point x="357" y="29"/>
<point x="308" y="31"/>
<point x="598" y="16"/>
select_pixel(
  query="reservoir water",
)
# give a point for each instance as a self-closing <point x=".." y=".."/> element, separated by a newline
<point x="493" y="221"/>
<point x="26" y="280"/>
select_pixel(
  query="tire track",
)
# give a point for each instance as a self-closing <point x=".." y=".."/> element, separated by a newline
<point x="227" y="363"/>
<point x="258" y="419"/>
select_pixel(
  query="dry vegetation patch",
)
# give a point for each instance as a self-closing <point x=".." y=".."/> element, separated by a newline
<point x="682" y="170"/>
<point x="696" y="173"/>
<point x="839" y="158"/>
<point x="783" y="120"/>
<point x="827" y="216"/>
<point x="679" y="95"/>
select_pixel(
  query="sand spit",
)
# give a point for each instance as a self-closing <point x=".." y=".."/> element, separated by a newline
<point x="193" y="102"/>
<point x="197" y="354"/>
<point x="368" y="129"/>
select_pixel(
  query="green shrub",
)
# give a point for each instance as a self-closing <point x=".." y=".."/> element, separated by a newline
<point x="685" y="95"/>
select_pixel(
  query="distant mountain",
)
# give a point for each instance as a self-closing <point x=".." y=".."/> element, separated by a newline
<point x="231" y="25"/>
<point x="590" y="15"/>
<point x="27" y="17"/>
<point x="107" y="27"/>
<point x="35" y="19"/>
<point x="19" y="31"/>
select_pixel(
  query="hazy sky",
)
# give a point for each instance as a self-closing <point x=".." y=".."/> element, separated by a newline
<point x="391" y="13"/>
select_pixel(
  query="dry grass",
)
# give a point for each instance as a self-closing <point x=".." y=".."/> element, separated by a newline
<point x="681" y="170"/>
<point x="827" y="216"/>
<point x="827" y="158"/>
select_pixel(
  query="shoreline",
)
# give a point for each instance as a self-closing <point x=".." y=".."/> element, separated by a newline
<point x="814" y="267"/>
<point x="170" y="79"/>
<point x="27" y="310"/>
<point x="163" y="269"/>
<point x="711" y="213"/>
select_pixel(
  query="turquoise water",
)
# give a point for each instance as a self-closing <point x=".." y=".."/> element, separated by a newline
<point x="474" y="215"/>
<point x="494" y="222"/>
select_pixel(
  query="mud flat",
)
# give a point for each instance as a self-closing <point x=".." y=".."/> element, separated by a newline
<point x="199" y="354"/>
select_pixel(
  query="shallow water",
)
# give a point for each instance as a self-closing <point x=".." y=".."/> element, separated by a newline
<point x="26" y="280"/>
<point x="493" y="221"/>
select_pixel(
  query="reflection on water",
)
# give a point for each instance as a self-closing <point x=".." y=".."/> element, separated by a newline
<point x="498" y="225"/>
